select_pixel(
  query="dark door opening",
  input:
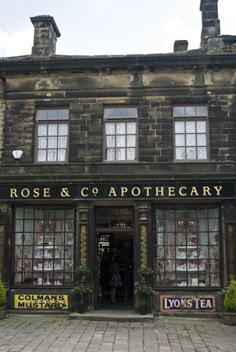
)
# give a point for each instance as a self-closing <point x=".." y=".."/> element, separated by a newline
<point x="114" y="265"/>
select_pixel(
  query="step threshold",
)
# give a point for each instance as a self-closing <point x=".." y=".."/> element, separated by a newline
<point x="112" y="315"/>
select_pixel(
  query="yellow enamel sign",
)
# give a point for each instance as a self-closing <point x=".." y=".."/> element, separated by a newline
<point x="41" y="301"/>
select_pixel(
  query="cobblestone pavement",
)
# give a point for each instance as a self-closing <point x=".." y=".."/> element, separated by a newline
<point x="59" y="334"/>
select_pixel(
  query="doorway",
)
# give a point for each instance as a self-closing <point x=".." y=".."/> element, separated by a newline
<point x="114" y="264"/>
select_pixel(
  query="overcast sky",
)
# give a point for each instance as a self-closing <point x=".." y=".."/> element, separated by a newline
<point x="108" y="27"/>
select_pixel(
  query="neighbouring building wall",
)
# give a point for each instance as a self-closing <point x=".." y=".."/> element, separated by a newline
<point x="2" y="115"/>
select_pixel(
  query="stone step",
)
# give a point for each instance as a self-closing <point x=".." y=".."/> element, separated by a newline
<point x="112" y="315"/>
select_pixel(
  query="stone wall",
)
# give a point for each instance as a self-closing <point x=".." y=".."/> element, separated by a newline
<point x="154" y="93"/>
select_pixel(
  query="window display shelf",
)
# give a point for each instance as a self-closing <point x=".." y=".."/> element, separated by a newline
<point x="187" y="270"/>
<point x="56" y="268"/>
<point x="187" y="252"/>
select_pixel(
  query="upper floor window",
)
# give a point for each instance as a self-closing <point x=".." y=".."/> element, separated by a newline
<point x="52" y="135"/>
<point x="190" y="131"/>
<point x="120" y="133"/>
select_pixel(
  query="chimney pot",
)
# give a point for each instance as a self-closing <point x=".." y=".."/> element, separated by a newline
<point x="180" y="45"/>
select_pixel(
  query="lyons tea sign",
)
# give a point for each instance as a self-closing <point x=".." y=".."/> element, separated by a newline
<point x="197" y="303"/>
<point x="41" y="301"/>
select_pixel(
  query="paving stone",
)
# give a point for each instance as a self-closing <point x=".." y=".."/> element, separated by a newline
<point x="169" y="334"/>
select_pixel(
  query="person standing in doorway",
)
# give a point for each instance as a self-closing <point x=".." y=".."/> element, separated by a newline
<point x="115" y="281"/>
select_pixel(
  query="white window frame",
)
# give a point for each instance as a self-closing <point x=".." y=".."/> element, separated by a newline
<point x="191" y="136"/>
<point x="118" y="118"/>
<point x="49" y="130"/>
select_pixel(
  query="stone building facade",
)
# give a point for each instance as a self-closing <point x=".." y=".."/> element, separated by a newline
<point x="132" y="157"/>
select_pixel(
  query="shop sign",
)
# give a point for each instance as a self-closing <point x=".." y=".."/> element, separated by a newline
<point x="198" y="303"/>
<point x="40" y="301"/>
<point x="108" y="190"/>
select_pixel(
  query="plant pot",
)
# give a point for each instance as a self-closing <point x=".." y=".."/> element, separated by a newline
<point x="2" y="312"/>
<point x="144" y="309"/>
<point x="144" y="305"/>
<point x="229" y="318"/>
<point x="82" y="305"/>
<point x="82" y="308"/>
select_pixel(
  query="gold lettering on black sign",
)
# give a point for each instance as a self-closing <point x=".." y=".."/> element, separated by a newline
<point x="116" y="191"/>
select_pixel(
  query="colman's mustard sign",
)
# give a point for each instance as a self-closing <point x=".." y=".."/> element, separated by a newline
<point x="41" y="301"/>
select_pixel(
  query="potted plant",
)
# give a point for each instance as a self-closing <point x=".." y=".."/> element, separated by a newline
<point x="3" y="298"/>
<point x="143" y="290"/>
<point x="145" y="273"/>
<point x="229" y="314"/>
<point x="82" y="289"/>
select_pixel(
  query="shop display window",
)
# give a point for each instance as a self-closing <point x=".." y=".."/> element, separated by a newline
<point x="44" y="246"/>
<point x="187" y="247"/>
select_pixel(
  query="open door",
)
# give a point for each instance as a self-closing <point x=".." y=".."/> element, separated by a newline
<point x="114" y="265"/>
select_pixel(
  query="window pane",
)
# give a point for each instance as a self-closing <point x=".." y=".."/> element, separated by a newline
<point x="52" y="129"/>
<point x="131" y="154"/>
<point x="179" y="127"/>
<point x="191" y="153"/>
<point x="180" y="140"/>
<point x="190" y="139"/>
<point x="111" y="141"/>
<point x="201" y="126"/>
<point x="52" y="114"/>
<point x="120" y="154"/>
<point x="110" y="154"/>
<point x="52" y="142"/>
<point x="180" y="153"/>
<point x="120" y="141"/>
<point x="131" y="127"/>
<point x="201" y="111"/>
<point x="110" y="128"/>
<point x="62" y="129"/>
<point x="41" y="115"/>
<point x="201" y="139"/>
<point x="190" y="126"/>
<point x="214" y="238"/>
<point x="41" y="155"/>
<point x="120" y="112"/>
<point x="62" y="142"/>
<point x="42" y="142"/>
<point x="61" y="154"/>
<point x="120" y="128"/>
<point x="19" y="213"/>
<point x="28" y="225"/>
<point x="190" y="111"/>
<point x="131" y="141"/>
<point x="178" y="111"/>
<point x="63" y="114"/>
<point x="52" y="155"/>
<point x="42" y="130"/>
<point x="214" y="213"/>
<point x="202" y="153"/>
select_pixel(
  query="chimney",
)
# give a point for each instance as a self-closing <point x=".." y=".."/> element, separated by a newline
<point x="45" y="35"/>
<point x="180" y="45"/>
<point x="210" y="21"/>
